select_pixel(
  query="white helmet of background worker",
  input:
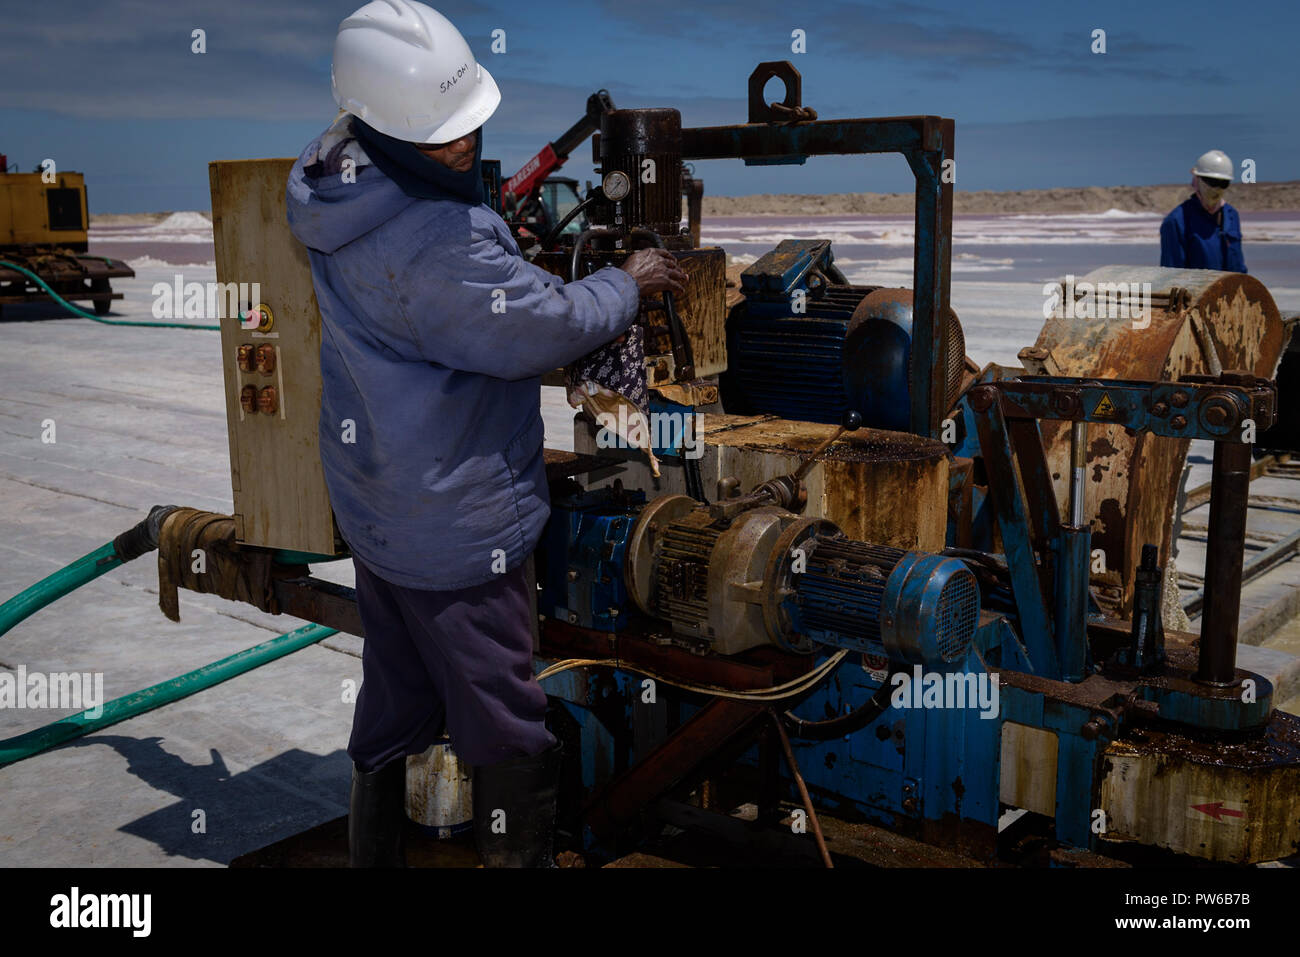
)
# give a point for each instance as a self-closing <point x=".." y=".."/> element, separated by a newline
<point x="1214" y="165"/>
<point x="403" y="68"/>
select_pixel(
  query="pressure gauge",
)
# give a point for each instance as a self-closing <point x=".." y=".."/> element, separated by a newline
<point x="616" y="185"/>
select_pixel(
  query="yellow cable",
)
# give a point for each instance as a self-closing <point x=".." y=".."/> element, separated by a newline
<point x="775" y="693"/>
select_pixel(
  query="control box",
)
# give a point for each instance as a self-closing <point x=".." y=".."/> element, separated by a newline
<point x="270" y="350"/>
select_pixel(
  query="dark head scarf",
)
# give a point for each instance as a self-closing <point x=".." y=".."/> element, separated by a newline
<point x="418" y="175"/>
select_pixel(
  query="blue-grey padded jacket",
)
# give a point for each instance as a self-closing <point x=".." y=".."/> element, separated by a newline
<point x="436" y="332"/>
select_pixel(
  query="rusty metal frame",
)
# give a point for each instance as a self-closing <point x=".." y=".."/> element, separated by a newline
<point x="619" y="803"/>
<point x="927" y="144"/>
<point x="325" y="603"/>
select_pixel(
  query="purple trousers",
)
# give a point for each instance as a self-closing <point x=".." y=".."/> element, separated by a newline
<point x="460" y="658"/>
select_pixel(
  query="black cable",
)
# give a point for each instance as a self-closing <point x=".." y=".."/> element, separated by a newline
<point x="554" y="234"/>
<point x="575" y="261"/>
<point x="841" y="725"/>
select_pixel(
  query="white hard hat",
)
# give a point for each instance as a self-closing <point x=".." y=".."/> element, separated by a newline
<point x="403" y="68"/>
<point x="1214" y="164"/>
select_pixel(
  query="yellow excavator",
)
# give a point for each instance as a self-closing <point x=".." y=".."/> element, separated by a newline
<point x="43" y="229"/>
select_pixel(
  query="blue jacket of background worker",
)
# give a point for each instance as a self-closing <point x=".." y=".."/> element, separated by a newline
<point x="434" y="337"/>
<point x="1191" y="238"/>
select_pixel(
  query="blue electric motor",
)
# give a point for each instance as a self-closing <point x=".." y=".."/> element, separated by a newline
<point x="808" y="346"/>
<point x="915" y="607"/>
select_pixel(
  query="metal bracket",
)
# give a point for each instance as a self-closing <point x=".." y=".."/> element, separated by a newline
<point x="760" y="111"/>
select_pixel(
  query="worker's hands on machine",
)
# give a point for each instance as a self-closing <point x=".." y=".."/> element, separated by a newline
<point x="655" y="271"/>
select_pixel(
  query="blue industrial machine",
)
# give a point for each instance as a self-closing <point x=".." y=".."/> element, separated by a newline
<point x="929" y="692"/>
<point x="746" y="572"/>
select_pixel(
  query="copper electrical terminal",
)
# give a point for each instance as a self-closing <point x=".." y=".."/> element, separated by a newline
<point x="265" y="358"/>
<point x="267" y="400"/>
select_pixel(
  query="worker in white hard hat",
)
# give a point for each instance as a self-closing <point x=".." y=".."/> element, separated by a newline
<point x="435" y="335"/>
<point x="1204" y="232"/>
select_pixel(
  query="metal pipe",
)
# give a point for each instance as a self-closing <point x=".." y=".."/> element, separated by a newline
<point x="1078" y="462"/>
<point x="803" y="788"/>
<point x="683" y="354"/>
<point x="1074" y="541"/>
<point x="1226" y="545"/>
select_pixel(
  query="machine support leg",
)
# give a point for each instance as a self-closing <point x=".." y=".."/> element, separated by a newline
<point x="1074" y="543"/>
<point x="1225" y="548"/>
<point x="1071" y="606"/>
<point x="803" y="788"/>
<point x="1014" y="521"/>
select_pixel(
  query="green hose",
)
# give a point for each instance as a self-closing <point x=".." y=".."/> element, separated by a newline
<point x="86" y="315"/>
<point x="31" y="600"/>
<point x="128" y="546"/>
<point x="42" y="739"/>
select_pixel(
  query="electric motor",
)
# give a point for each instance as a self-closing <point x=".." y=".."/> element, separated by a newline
<point x="919" y="608"/>
<point x="768" y="576"/>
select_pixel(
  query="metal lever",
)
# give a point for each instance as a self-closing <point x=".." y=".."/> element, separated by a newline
<point x="683" y="355"/>
<point x="784" y="491"/>
<point x="851" y="422"/>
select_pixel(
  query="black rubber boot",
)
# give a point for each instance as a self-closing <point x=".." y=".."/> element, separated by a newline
<point x="514" y="810"/>
<point x="376" y="816"/>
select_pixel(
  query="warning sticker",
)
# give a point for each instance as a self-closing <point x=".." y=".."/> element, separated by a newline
<point x="1105" y="407"/>
<point x="877" y="666"/>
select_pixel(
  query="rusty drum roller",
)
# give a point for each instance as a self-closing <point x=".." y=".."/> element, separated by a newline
<point x="1199" y="322"/>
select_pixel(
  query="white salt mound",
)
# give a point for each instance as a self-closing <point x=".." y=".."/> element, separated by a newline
<point x="150" y="262"/>
<point x="182" y="221"/>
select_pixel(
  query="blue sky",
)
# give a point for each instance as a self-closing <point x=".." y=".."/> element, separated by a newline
<point x="112" y="88"/>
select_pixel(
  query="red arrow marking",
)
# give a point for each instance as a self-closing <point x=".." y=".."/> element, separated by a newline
<point x="1217" y="810"/>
